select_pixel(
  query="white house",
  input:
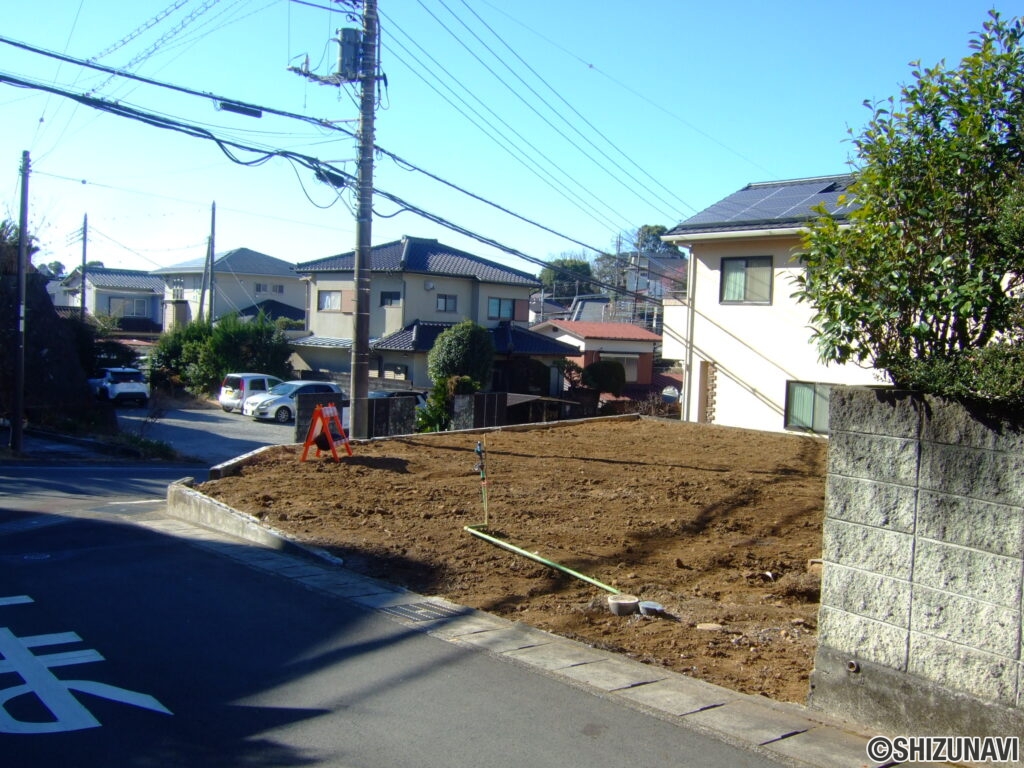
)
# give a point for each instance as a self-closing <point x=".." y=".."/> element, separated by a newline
<point x="745" y="343"/>
<point x="132" y="296"/>
<point x="244" y="281"/>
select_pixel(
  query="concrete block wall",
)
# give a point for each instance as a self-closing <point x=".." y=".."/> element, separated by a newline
<point x="920" y="626"/>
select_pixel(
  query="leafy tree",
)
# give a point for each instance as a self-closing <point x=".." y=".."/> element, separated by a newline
<point x="610" y="270"/>
<point x="56" y="269"/>
<point x="647" y="240"/>
<point x="567" y="276"/>
<point x="605" y="376"/>
<point x="198" y="355"/>
<point x="930" y="270"/>
<point x="465" y="349"/>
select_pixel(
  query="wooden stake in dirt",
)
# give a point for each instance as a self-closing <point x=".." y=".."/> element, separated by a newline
<point x="481" y="460"/>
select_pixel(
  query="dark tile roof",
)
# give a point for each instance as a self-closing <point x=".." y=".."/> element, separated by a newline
<point x="242" y="261"/>
<point x="273" y="309"/>
<point x="772" y="204"/>
<point x="423" y="256"/>
<point x="118" y="279"/>
<point x="508" y="339"/>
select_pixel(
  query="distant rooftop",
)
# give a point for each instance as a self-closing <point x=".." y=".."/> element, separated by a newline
<point x="423" y="256"/>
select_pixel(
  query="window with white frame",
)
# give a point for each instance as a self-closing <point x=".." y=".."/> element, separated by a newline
<point x="746" y="280"/>
<point x="447" y="302"/>
<point x="501" y="309"/>
<point x="807" y="406"/>
<point x="328" y="301"/>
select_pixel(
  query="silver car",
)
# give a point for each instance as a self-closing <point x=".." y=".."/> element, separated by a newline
<point x="278" y="403"/>
<point x="236" y="387"/>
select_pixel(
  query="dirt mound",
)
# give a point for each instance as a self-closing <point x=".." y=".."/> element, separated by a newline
<point x="718" y="525"/>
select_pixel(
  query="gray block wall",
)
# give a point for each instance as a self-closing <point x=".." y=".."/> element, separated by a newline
<point x="920" y="626"/>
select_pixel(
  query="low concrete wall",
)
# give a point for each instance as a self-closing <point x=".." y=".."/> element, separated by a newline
<point x="920" y="627"/>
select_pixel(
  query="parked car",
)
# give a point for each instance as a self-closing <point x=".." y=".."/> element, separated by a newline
<point x="120" y="385"/>
<point x="278" y="402"/>
<point x="421" y="397"/>
<point x="236" y="387"/>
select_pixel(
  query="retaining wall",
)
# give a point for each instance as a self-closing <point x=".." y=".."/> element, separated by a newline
<point x="920" y="627"/>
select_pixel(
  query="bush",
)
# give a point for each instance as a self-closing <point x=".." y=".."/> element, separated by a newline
<point x="605" y="376"/>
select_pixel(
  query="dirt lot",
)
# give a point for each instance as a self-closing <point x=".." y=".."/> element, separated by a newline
<point x="715" y="524"/>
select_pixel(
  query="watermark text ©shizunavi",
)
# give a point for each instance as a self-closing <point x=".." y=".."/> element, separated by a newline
<point x="941" y="749"/>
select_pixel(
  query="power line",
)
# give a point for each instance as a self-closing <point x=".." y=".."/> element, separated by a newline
<point x="576" y="111"/>
<point x="535" y="111"/>
<point x="317" y="122"/>
<point x="317" y="166"/>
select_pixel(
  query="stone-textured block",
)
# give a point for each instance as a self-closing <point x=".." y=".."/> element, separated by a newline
<point x="873" y="457"/>
<point x="882" y="505"/>
<point x="963" y="669"/>
<point x="986" y="475"/>
<point x="982" y="626"/>
<point x="995" y="528"/>
<point x="874" y="410"/>
<point x="863" y="639"/>
<point x="887" y="553"/>
<point x="948" y="422"/>
<point x="968" y="572"/>
<point x="866" y="594"/>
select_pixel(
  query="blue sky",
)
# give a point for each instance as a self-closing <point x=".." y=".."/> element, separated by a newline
<point x="589" y="117"/>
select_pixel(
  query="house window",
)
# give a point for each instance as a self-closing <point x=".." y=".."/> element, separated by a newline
<point x="261" y="287"/>
<point x="390" y="298"/>
<point x="447" y="302"/>
<point x="807" y="406"/>
<point x="129" y="308"/>
<point x="328" y="301"/>
<point x="501" y="309"/>
<point x="628" y="363"/>
<point x="277" y="288"/>
<point x="746" y="280"/>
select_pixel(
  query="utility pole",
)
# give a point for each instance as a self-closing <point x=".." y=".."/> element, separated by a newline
<point x="18" y="399"/>
<point x="364" y="219"/>
<point x="85" y="241"/>
<point x="357" y="62"/>
<point x="208" y="270"/>
<point x="209" y="257"/>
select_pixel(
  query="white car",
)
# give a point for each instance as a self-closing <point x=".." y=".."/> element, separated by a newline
<point x="278" y="402"/>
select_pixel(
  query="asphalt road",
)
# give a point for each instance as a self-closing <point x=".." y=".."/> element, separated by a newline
<point x="124" y="645"/>
<point x="208" y="434"/>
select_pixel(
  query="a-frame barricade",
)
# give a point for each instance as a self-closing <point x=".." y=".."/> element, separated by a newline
<point x="319" y="434"/>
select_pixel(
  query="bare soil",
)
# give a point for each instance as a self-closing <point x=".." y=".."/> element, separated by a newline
<point x="718" y="525"/>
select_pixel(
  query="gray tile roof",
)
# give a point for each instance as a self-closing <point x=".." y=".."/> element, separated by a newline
<point x="772" y="204"/>
<point x="118" y="279"/>
<point x="322" y="342"/>
<point x="508" y="339"/>
<point x="242" y="261"/>
<point x="273" y="309"/>
<point x="422" y="256"/>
